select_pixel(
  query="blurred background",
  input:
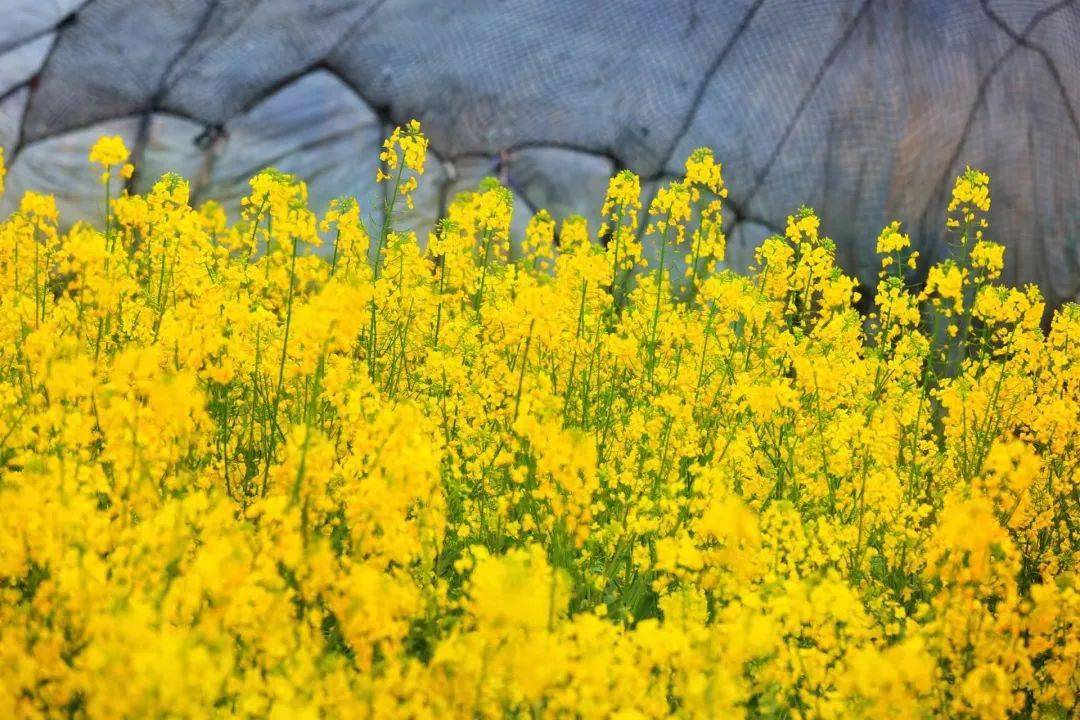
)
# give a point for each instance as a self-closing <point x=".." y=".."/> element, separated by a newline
<point x="865" y="110"/>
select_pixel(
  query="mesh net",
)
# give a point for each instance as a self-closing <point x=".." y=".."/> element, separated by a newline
<point x="864" y="110"/>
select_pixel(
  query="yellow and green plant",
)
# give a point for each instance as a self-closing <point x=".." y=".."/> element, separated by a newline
<point x="303" y="466"/>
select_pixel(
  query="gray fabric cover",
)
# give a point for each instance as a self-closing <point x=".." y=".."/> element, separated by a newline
<point x="863" y="109"/>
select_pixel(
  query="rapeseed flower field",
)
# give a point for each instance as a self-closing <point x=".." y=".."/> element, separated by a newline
<point x="307" y="465"/>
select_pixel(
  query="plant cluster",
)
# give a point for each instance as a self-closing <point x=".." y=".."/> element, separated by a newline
<point x="303" y="466"/>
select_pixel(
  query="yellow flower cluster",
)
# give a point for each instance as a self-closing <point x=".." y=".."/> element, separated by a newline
<point x="405" y="149"/>
<point x="110" y="151"/>
<point x="394" y="478"/>
<point x="622" y="210"/>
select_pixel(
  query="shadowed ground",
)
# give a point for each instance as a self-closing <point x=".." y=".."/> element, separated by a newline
<point x="863" y="109"/>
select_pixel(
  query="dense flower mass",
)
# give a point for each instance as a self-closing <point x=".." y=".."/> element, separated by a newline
<point x="306" y="466"/>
